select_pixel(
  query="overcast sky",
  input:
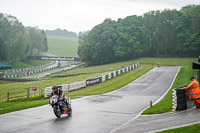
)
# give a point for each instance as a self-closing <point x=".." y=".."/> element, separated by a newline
<point x="81" y="15"/>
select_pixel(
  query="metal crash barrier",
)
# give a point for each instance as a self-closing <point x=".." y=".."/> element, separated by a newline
<point x="93" y="81"/>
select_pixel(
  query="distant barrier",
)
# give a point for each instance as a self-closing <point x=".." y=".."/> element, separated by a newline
<point x="76" y="85"/>
<point x="93" y="81"/>
<point x="54" y="58"/>
<point x="20" y="80"/>
<point x="27" y="71"/>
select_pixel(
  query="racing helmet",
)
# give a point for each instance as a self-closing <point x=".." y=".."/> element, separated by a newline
<point x="54" y="88"/>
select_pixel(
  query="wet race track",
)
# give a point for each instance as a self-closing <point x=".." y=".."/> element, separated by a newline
<point x="95" y="114"/>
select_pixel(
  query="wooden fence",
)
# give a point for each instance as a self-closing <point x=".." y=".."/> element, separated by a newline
<point x="30" y="92"/>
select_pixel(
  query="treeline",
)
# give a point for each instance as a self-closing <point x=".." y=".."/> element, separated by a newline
<point x="16" y="42"/>
<point x="62" y="33"/>
<point x="167" y="33"/>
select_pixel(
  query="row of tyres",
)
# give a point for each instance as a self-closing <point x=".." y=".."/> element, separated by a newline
<point x="27" y="71"/>
<point x="179" y="99"/>
<point x="90" y="82"/>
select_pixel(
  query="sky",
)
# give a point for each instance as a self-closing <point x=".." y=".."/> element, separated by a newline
<point x="81" y="15"/>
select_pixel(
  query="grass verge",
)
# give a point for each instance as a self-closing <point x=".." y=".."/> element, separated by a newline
<point x="31" y="63"/>
<point x="188" y="129"/>
<point x="20" y="104"/>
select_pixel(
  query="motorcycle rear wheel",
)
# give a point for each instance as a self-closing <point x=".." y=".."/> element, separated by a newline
<point x="70" y="112"/>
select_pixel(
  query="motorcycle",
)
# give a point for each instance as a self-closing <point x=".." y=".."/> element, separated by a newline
<point x="60" y="107"/>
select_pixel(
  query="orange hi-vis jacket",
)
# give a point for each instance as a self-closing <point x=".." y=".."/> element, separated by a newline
<point x="194" y="89"/>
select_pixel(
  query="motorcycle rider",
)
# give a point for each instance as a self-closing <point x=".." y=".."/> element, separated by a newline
<point x="60" y="94"/>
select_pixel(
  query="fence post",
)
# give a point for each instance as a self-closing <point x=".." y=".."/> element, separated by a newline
<point x="28" y="93"/>
<point x="8" y="94"/>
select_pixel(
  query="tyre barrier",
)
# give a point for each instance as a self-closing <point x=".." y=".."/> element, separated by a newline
<point x="19" y="80"/>
<point x="89" y="82"/>
<point x="179" y="99"/>
<point x="27" y="71"/>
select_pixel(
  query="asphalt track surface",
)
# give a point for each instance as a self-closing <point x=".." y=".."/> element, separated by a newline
<point x="95" y="114"/>
<point x="160" y="122"/>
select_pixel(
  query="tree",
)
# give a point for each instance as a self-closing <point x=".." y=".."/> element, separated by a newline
<point x="158" y="33"/>
<point x="12" y="39"/>
<point x="82" y="48"/>
<point x="129" y="37"/>
<point x="35" y="42"/>
<point x="44" y="37"/>
<point x="17" y="51"/>
<point x="188" y="44"/>
<point x="97" y="46"/>
<point x="150" y="32"/>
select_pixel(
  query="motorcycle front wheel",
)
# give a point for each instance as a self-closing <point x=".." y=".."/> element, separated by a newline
<point x="57" y="112"/>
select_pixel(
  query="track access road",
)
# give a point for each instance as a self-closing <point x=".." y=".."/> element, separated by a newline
<point x="95" y="114"/>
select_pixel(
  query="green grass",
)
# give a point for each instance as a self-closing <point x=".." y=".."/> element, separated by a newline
<point x="63" y="46"/>
<point x="31" y="63"/>
<point x="20" y="104"/>
<point x="188" y="129"/>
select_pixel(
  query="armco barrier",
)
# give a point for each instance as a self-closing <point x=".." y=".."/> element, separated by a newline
<point x="48" y="91"/>
<point x="127" y="69"/>
<point x="106" y="77"/>
<point x="116" y="73"/>
<point x="93" y="81"/>
<point x="109" y="76"/>
<point x="77" y="85"/>
<point x="112" y="75"/>
<point x="65" y="87"/>
<point x="121" y="71"/>
<point x="100" y="79"/>
<point x="103" y="78"/>
<point x="84" y="83"/>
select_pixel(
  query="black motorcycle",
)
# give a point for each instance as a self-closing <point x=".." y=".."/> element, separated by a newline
<point x="60" y="107"/>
